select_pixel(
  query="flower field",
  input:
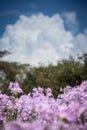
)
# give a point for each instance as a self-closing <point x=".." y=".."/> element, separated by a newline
<point x="39" y="110"/>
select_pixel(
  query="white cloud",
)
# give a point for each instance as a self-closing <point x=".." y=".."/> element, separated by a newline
<point x="80" y="44"/>
<point x="40" y="39"/>
<point x="70" y="19"/>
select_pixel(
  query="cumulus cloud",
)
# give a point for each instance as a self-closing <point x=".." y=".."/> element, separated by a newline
<point x="80" y="44"/>
<point x="70" y="19"/>
<point x="40" y="39"/>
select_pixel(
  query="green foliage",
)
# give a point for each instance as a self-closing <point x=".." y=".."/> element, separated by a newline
<point x="69" y="72"/>
<point x="66" y="72"/>
<point x="4" y="52"/>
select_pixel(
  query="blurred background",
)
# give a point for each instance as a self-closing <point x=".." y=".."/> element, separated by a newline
<point x="43" y="43"/>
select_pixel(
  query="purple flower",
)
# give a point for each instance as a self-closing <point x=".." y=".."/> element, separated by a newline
<point x="14" y="87"/>
<point x="41" y="111"/>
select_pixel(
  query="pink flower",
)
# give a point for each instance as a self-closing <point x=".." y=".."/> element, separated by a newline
<point x="14" y="87"/>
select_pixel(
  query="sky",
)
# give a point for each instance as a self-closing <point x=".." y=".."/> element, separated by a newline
<point x="43" y="31"/>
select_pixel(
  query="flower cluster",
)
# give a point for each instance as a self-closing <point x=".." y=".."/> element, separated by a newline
<point x="15" y="89"/>
<point x="39" y="110"/>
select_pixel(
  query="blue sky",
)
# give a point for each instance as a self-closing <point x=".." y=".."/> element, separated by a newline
<point x="43" y="30"/>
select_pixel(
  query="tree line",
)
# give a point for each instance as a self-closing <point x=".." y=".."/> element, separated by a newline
<point x="66" y="72"/>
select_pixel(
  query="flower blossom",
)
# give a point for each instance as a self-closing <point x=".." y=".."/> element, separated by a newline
<point x="14" y="87"/>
